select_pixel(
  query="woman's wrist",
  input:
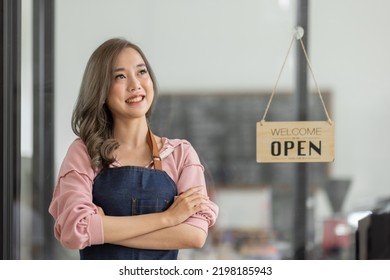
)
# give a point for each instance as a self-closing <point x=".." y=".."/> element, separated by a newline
<point x="167" y="219"/>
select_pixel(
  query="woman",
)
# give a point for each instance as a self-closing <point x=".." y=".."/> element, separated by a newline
<point x="123" y="192"/>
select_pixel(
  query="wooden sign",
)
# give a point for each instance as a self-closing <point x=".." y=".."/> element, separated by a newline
<point x="305" y="141"/>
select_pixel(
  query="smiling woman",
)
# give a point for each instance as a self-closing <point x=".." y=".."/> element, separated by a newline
<point x="131" y="92"/>
<point x="214" y="82"/>
<point x="123" y="192"/>
<point x="104" y="91"/>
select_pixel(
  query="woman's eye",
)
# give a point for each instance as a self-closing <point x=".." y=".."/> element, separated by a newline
<point x="119" y="77"/>
<point x="143" y="71"/>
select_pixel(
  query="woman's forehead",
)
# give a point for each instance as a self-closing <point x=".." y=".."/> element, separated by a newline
<point x="128" y="57"/>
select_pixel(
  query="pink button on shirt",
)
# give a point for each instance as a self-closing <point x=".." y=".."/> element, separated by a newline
<point x="77" y="223"/>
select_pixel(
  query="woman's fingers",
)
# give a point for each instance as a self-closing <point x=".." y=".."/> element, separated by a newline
<point x="188" y="203"/>
<point x="191" y="191"/>
<point x="194" y="198"/>
<point x="192" y="201"/>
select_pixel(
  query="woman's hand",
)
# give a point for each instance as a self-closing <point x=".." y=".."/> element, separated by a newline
<point x="187" y="204"/>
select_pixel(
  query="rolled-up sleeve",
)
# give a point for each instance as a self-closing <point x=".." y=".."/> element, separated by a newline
<point x="192" y="174"/>
<point x="77" y="222"/>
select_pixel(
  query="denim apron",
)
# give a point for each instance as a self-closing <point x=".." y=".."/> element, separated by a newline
<point x="129" y="191"/>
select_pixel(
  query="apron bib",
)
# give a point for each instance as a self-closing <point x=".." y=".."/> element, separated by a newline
<point x="130" y="191"/>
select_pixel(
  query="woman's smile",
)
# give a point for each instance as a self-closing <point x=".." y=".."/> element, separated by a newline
<point x="135" y="99"/>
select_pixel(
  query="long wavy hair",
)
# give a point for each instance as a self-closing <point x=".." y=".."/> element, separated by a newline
<point x="91" y="119"/>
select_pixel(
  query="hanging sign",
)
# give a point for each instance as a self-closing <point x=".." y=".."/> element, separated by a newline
<point x="295" y="141"/>
<point x="301" y="141"/>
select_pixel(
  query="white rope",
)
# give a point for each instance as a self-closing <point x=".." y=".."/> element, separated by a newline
<point x="277" y="80"/>
<point x="315" y="81"/>
<point x="298" y="34"/>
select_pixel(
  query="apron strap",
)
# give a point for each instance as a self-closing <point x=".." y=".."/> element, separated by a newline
<point x="155" y="153"/>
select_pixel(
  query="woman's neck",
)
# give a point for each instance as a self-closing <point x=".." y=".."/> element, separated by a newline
<point x="132" y="133"/>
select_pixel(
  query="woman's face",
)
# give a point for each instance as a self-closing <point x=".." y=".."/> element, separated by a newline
<point x="131" y="92"/>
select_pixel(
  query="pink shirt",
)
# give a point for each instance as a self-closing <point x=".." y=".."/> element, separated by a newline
<point x="77" y="223"/>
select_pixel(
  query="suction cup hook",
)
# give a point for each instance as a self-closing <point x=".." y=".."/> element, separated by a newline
<point x="299" y="32"/>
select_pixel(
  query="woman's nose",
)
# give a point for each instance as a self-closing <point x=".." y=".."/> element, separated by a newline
<point x="134" y="84"/>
